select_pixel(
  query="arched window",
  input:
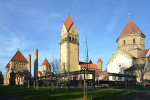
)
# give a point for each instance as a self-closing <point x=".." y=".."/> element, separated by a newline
<point x="72" y="31"/>
<point x="75" y="40"/>
<point x="134" y="40"/>
<point x="124" y="41"/>
<point x="72" y="39"/>
<point x="69" y="38"/>
<point x="142" y="41"/>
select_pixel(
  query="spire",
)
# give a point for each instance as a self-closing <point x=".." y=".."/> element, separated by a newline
<point x="99" y="60"/>
<point x="90" y="62"/>
<point x="130" y="27"/>
<point x="68" y="22"/>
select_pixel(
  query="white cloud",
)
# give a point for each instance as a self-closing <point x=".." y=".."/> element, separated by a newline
<point x="117" y="13"/>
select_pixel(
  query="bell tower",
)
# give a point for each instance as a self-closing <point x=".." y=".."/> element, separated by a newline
<point x="69" y="47"/>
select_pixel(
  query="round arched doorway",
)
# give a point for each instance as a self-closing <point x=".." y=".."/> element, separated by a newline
<point x="19" y="79"/>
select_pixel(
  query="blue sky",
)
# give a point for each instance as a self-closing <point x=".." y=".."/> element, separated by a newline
<point x="36" y="24"/>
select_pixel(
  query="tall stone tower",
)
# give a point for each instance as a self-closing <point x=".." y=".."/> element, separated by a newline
<point x="99" y="64"/>
<point x="69" y="47"/>
<point x="29" y="64"/>
<point x="35" y="63"/>
<point x="131" y="39"/>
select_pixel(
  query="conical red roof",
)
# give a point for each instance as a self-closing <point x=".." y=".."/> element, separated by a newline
<point x="68" y="22"/>
<point x="130" y="27"/>
<point x="45" y="63"/>
<point x="99" y="60"/>
<point x="19" y="57"/>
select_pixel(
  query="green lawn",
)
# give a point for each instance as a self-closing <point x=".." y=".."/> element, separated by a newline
<point x="135" y="88"/>
<point x="44" y="93"/>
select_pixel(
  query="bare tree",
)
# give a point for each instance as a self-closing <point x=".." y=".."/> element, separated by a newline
<point x="55" y="65"/>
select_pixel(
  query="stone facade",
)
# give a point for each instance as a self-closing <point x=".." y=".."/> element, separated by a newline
<point x="131" y="55"/>
<point x="17" y="70"/>
<point x="69" y="47"/>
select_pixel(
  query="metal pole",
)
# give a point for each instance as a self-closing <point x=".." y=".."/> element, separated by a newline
<point x="84" y="89"/>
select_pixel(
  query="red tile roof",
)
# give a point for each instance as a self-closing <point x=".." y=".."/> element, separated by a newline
<point x="144" y="53"/>
<point x="8" y="65"/>
<point x="90" y="65"/>
<point x="130" y="27"/>
<point x="19" y="57"/>
<point x="45" y="63"/>
<point x="68" y="22"/>
<point x="99" y="60"/>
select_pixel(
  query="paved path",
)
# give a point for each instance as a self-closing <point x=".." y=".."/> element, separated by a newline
<point x="144" y="96"/>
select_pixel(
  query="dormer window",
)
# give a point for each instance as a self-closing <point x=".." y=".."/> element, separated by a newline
<point x="133" y="40"/>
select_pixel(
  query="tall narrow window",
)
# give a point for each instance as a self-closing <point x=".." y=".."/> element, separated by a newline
<point x="72" y="39"/>
<point x="133" y="40"/>
<point x="69" y="38"/>
<point x="124" y="42"/>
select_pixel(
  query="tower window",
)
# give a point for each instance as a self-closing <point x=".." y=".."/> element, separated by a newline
<point x="72" y="39"/>
<point x="133" y="40"/>
<point x="142" y="41"/>
<point x="75" y="40"/>
<point x="69" y="38"/>
<point x="124" y="41"/>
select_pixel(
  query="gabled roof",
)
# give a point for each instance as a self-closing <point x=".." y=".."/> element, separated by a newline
<point x="99" y="60"/>
<point x="8" y="65"/>
<point x="19" y="57"/>
<point x="144" y="53"/>
<point x="45" y="63"/>
<point x="136" y="66"/>
<point x="88" y="65"/>
<point x="119" y="51"/>
<point x="68" y="22"/>
<point x="130" y="27"/>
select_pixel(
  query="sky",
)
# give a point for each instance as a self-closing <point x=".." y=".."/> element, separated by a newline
<point x="37" y="24"/>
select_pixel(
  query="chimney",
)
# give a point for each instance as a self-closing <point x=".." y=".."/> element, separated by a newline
<point x="35" y="63"/>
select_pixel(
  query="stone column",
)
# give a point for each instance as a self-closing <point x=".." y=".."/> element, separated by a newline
<point x="35" y="64"/>
<point x="29" y="64"/>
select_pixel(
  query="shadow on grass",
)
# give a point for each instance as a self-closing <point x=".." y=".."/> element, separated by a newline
<point x="44" y="93"/>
